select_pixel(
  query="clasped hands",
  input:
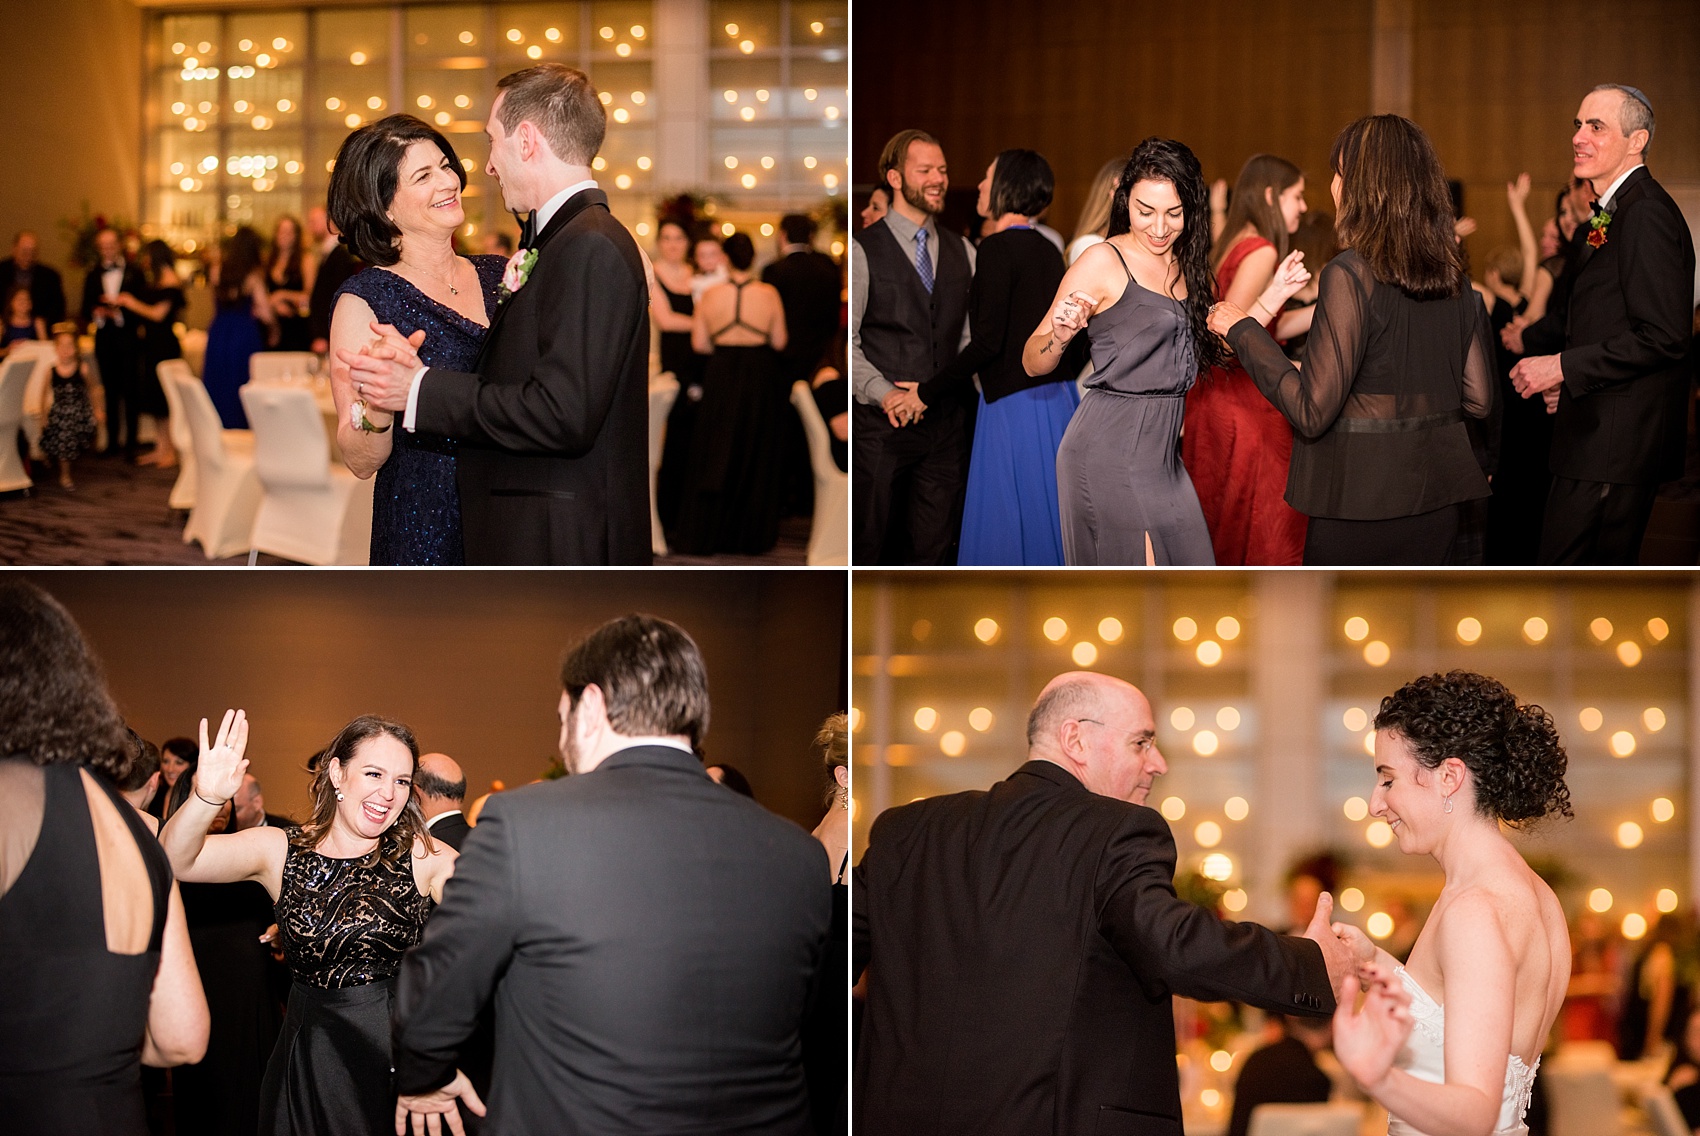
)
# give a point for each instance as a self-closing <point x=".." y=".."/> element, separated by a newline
<point x="1368" y="1033"/>
<point x="382" y="371"/>
<point x="903" y="407"/>
<point x="1290" y="276"/>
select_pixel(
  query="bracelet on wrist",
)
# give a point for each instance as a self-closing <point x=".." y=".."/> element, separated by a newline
<point x="214" y="804"/>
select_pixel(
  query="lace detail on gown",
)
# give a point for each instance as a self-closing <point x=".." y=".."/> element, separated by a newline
<point x="347" y="922"/>
<point x="1424" y="1057"/>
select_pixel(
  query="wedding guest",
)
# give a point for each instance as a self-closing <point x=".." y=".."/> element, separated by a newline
<point x="729" y="775"/>
<point x="811" y="287"/>
<point x="1282" y="1072"/>
<point x="1397" y="356"/>
<point x="289" y="282"/>
<point x="878" y="205"/>
<point x="1619" y="387"/>
<point x="250" y="807"/>
<point x="21" y="322"/>
<point x="710" y="260"/>
<point x="1590" y="1001"/>
<point x="672" y="302"/>
<point x="1009" y="515"/>
<point x="441" y="787"/>
<point x="829" y="1023"/>
<point x="243" y="309"/>
<point x="117" y="337"/>
<point x="100" y="976"/>
<point x="1657" y="996"/>
<point x="22" y="270"/>
<point x="909" y="282"/>
<point x="335" y="265"/>
<point x="735" y="478"/>
<point x="395" y="195"/>
<point x="141" y="783"/>
<point x="1142" y="297"/>
<point x="1235" y="445"/>
<point x="177" y="756"/>
<point x="1044" y="907"/>
<point x="1094" y="219"/>
<point x="685" y="928"/>
<point x="72" y="419"/>
<point x="158" y="307"/>
<point x="352" y="888"/>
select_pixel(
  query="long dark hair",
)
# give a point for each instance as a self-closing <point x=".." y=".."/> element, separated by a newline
<point x="1163" y="159"/>
<point x="1249" y="205"/>
<point x="240" y="256"/>
<point x="293" y="263"/>
<point x="54" y="705"/>
<point x="395" y="845"/>
<point x="1395" y="208"/>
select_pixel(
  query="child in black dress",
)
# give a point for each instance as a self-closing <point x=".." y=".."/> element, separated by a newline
<point x="71" y="422"/>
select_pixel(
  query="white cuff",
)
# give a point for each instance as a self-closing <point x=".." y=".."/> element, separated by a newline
<point x="412" y="413"/>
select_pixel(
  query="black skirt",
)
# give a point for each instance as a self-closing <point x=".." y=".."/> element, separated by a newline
<point x="330" y="1074"/>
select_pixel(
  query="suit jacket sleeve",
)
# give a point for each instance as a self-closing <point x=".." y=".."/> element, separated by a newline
<point x="583" y="338"/>
<point x="1656" y="289"/>
<point x="1176" y="947"/>
<point x="989" y="299"/>
<point x="448" y="978"/>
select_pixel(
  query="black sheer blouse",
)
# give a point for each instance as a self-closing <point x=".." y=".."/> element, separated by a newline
<point x="1378" y="410"/>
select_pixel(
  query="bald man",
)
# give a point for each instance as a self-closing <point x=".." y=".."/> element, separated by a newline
<point x="441" y="788"/>
<point x="1022" y="944"/>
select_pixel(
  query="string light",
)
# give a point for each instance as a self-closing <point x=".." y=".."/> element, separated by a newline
<point x="1208" y="834"/>
<point x="1469" y="630"/>
<point x="1355" y="719"/>
<point x="1599" y="901"/>
<point x="1535" y="629"/>
<point x="1209" y="652"/>
<point x="1228" y="718"/>
<point x="980" y="718"/>
<point x="1352" y="899"/>
<point x="1085" y="653"/>
<point x="1228" y="628"/>
<point x="1377" y="653"/>
<point x="953" y="742"/>
<point x="1356" y="809"/>
<point x="1109" y="628"/>
<point x="1182" y="718"/>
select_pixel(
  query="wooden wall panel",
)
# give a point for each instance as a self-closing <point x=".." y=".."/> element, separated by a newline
<point x="470" y="660"/>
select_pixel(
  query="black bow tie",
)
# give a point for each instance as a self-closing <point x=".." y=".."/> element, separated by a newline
<point x="528" y="230"/>
<point x="1595" y="206"/>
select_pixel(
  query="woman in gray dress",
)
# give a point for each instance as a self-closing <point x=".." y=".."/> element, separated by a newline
<point x="1143" y="296"/>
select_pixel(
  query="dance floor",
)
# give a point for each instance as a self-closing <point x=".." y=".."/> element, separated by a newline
<point x="117" y="515"/>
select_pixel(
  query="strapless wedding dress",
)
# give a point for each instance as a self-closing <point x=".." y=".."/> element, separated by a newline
<point x="1424" y="1057"/>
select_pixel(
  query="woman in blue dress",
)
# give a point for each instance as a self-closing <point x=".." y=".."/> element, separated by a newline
<point x="243" y="305"/>
<point x="395" y="200"/>
<point x="1010" y="514"/>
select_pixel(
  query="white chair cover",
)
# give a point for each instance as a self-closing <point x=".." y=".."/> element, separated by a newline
<point x="14" y="377"/>
<point x="1330" y="1119"/>
<point x="171" y="372"/>
<point x="311" y="510"/>
<point x="1663" y="1113"/>
<point x="38" y="393"/>
<point x="663" y="389"/>
<point x="829" y="535"/>
<point x="281" y="366"/>
<point x="1581" y="1099"/>
<point x="227" y="489"/>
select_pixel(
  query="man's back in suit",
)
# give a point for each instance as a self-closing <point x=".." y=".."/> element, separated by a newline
<point x="656" y="940"/>
<point x="810" y="286"/>
<point x="451" y="830"/>
<point x="1022" y="945"/>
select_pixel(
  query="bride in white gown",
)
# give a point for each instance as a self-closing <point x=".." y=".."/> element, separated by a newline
<point x="1449" y="1043"/>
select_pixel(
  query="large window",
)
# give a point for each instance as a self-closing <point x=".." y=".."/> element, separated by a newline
<point x="742" y="103"/>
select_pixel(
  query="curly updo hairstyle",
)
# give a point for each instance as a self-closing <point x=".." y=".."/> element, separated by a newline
<point x="1511" y="749"/>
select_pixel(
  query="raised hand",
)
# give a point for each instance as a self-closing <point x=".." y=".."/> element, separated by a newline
<point x="219" y="773"/>
<point x="1517" y="192"/>
<point x="1367" y="1038"/>
<point x="427" y="1111"/>
<point x="1069" y="317"/>
<point x="1290" y="276"/>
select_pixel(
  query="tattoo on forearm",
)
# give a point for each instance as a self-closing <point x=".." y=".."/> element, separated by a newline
<point x="1049" y="343"/>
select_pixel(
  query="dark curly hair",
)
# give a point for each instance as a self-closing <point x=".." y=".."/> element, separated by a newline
<point x="1162" y="159"/>
<point x="54" y="705"/>
<point x="1510" y="748"/>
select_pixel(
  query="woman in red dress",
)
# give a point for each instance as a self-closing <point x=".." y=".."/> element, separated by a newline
<point x="1235" y="444"/>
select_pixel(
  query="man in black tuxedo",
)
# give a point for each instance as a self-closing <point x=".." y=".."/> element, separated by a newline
<point x="652" y="941"/>
<point x="42" y="282"/>
<point x="336" y="265"/>
<point x="1022" y="945"/>
<point x="440" y="786"/>
<point x="117" y="338"/>
<point x="909" y="283"/>
<point x="1620" y="384"/>
<point x="554" y="447"/>
<point x="811" y="288"/>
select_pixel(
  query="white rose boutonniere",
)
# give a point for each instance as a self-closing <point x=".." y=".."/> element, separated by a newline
<point x="518" y="271"/>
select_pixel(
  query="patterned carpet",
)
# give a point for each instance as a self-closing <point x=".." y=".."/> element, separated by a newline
<point x="118" y="515"/>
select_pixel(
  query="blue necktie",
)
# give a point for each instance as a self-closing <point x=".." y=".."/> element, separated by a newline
<point x="923" y="263"/>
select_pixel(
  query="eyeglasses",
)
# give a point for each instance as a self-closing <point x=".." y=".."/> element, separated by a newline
<point x="1140" y="741"/>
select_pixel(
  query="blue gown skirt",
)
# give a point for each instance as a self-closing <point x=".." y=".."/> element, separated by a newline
<point x="232" y="340"/>
<point x="1011" y="516"/>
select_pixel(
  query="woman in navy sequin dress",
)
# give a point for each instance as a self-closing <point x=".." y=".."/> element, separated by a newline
<point x="352" y="888"/>
<point x="395" y="199"/>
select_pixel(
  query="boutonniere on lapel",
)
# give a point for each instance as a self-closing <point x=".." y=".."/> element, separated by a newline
<point x="518" y="271"/>
<point x="1598" y="224"/>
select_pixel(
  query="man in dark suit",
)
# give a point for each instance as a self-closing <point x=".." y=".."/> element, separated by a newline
<point x="336" y="265"/>
<point x="1022" y="945"/>
<point x="653" y="942"/>
<point x="441" y="788"/>
<point x="23" y="270"/>
<point x="1620" y="383"/>
<point x="553" y="464"/>
<point x="909" y="280"/>
<point x="811" y="288"/>
<point x="250" y="808"/>
<point x="1283" y="1072"/>
<point x="117" y="338"/>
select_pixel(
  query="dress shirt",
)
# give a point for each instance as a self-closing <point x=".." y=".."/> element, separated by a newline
<point x="544" y="212"/>
<point x="1611" y="190"/>
<point x="441" y="815"/>
<point x="870" y="386"/>
<point x="111" y="283"/>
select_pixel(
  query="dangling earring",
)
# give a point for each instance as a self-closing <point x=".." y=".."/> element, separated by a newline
<point x="1448" y="803"/>
<point x="1447" y="807"/>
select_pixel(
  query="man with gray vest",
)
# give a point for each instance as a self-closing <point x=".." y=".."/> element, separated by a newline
<point x="908" y="319"/>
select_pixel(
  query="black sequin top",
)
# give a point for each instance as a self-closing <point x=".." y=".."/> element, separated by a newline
<point x="416" y="505"/>
<point x="346" y="922"/>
